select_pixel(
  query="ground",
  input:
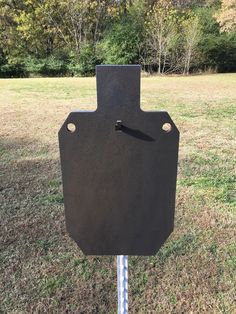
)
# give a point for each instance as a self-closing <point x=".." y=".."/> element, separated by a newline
<point x="41" y="268"/>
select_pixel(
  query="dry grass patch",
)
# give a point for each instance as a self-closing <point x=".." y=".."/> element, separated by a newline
<point x="43" y="271"/>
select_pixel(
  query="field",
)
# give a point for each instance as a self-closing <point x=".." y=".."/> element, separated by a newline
<point x="41" y="268"/>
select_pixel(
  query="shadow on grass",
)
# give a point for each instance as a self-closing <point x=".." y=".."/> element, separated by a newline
<point x="35" y="247"/>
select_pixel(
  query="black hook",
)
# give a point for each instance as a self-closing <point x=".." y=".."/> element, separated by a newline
<point x="118" y="125"/>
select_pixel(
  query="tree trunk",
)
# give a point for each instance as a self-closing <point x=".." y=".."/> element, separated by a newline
<point x="164" y="64"/>
<point x="159" y="65"/>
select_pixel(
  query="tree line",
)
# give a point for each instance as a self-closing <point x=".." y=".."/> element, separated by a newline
<point x="69" y="37"/>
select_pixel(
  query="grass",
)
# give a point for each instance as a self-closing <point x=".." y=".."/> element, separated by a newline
<point x="41" y="268"/>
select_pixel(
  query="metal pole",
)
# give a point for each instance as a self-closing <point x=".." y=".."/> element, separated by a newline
<point x="122" y="283"/>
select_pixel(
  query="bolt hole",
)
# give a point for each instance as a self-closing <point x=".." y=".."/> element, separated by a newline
<point x="71" y="127"/>
<point x="167" y="127"/>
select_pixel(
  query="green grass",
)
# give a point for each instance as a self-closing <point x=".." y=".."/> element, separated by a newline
<point x="51" y="284"/>
<point x="43" y="271"/>
<point x="210" y="173"/>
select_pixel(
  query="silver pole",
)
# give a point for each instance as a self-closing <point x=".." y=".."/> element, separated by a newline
<point x="122" y="283"/>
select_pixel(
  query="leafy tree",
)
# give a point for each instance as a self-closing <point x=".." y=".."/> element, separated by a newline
<point x="122" y="42"/>
<point x="217" y="50"/>
<point x="87" y="60"/>
<point x="227" y="16"/>
<point x="63" y="37"/>
<point x="191" y="37"/>
<point x="161" y="33"/>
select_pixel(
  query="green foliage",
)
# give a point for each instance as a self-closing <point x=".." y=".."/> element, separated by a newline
<point x="162" y="36"/>
<point x="221" y="52"/>
<point x="55" y="38"/>
<point x="2" y="58"/>
<point x="217" y="50"/>
<point x="122" y="42"/>
<point x="13" y="70"/>
<point x="51" y="66"/>
<point x="85" y="64"/>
